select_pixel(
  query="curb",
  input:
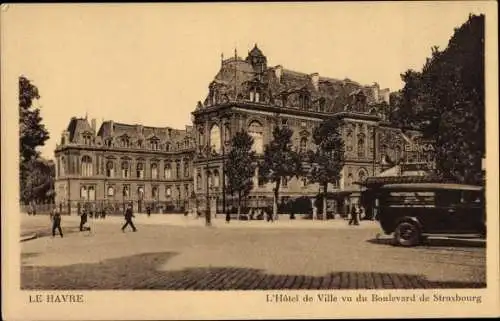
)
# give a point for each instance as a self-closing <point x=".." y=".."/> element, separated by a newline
<point x="29" y="237"/>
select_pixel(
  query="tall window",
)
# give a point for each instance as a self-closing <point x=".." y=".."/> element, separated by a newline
<point x="125" y="141"/>
<point x="154" y="171"/>
<point x="86" y="166"/>
<point x="349" y="179"/>
<point x="198" y="180"/>
<point x="168" y="171"/>
<point x="255" y="130"/>
<point x="186" y="190"/>
<point x="168" y="191"/>
<point x="125" y="169"/>
<point x="227" y="134"/>
<point x="178" y="169"/>
<point x="303" y="145"/>
<point x="155" y="144"/>
<point x="83" y="193"/>
<point x="140" y="192"/>
<point x="62" y="168"/>
<point x="140" y="170"/>
<point x="215" y="139"/>
<point x="216" y="179"/>
<point x="167" y="147"/>
<point x="186" y="168"/>
<point x="111" y="191"/>
<point x="126" y="191"/>
<point x="349" y="140"/>
<point x="361" y="146"/>
<point x="154" y="192"/>
<point x="87" y="139"/>
<point x="110" y="169"/>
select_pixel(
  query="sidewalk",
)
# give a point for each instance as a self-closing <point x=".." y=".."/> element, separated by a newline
<point x="219" y="222"/>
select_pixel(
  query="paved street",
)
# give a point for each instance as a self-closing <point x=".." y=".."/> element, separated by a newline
<point x="175" y="252"/>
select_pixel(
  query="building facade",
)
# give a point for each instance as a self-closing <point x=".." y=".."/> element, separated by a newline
<point x="122" y="163"/>
<point x="247" y="94"/>
<point x="173" y="169"/>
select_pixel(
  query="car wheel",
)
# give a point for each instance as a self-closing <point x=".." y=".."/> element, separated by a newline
<point x="407" y="234"/>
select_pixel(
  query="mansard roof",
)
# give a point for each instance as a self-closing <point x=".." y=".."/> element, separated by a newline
<point x="237" y="77"/>
<point x="78" y="126"/>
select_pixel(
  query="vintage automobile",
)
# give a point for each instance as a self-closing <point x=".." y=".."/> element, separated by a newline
<point x="413" y="211"/>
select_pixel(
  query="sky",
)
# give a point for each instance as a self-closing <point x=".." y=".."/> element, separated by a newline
<point x="151" y="63"/>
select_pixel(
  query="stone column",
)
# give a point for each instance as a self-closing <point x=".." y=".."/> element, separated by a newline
<point x="314" y="208"/>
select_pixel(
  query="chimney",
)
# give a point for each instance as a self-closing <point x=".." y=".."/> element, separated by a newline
<point x="315" y="80"/>
<point x="278" y="70"/>
<point x="93" y="124"/>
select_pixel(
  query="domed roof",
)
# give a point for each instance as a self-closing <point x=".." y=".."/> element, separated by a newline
<point x="255" y="52"/>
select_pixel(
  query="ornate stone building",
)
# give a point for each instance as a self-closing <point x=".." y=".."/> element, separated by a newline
<point x="247" y="94"/>
<point x="118" y="163"/>
<point x="167" y="168"/>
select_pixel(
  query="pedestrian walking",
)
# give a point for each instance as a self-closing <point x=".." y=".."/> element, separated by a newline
<point x="83" y="220"/>
<point x="128" y="219"/>
<point x="228" y="216"/>
<point x="354" y="215"/>
<point x="148" y="210"/>
<point x="269" y="215"/>
<point x="56" y="223"/>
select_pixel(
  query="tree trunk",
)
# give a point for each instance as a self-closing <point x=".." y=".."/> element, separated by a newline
<point x="276" y="197"/>
<point x="325" y="189"/>
<point x="239" y="205"/>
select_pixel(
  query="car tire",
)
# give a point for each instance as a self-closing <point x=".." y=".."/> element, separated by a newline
<point x="407" y="234"/>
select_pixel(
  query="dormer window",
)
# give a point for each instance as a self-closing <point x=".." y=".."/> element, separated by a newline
<point x="87" y="139"/>
<point x="139" y="143"/>
<point x="125" y="141"/>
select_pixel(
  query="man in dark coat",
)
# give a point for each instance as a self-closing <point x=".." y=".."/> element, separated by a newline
<point x="56" y="223"/>
<point x="83" y="219"/>
<point x="128" y="219"/>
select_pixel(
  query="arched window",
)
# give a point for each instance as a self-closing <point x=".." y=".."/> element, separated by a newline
<point x="125" y="141"/>
<point x="125" y="169"/>
<point x="140" y="170"/>
<point x="111" y="191"/>
<point x="216" y="179"/>
<point x="168" y="171"/>
<point x="154" y="171"/>
<point x="256" y="131"/>
<point x="303" y="145"/>
<point x="215" y="139"/>
<point x="168" y="191"/>
<point x="86" y="166"/>
<point x="361" y="146"/>
<point x="126" y="191"/>
<point x="140" y="192"/>
<point x="110" y="169"/>
<point x="154" y="192"/>
<point x="210" y="179"/>
<point x="167" y="147"/>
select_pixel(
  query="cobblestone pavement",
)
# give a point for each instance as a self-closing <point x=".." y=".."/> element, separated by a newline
<point x="172" y="257"/>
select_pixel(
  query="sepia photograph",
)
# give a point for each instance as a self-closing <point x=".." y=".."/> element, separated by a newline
<point x="332" y="159"/>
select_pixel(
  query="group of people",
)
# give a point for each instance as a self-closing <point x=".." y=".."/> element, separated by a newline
<point x="55" y="218"/>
